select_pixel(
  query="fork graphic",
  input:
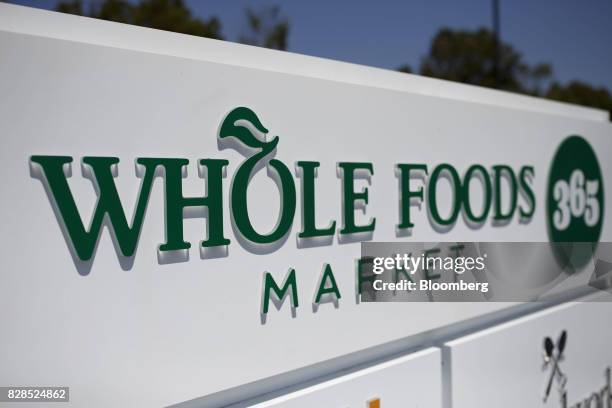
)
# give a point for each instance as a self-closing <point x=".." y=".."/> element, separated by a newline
<point x="551" y="357"/>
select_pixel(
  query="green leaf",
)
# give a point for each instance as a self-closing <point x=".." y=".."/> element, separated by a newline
<point x="243" y="134"/>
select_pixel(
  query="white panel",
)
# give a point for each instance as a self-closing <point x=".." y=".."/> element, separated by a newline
<point x="410" y="381"/>
<point x="504" y="366"/>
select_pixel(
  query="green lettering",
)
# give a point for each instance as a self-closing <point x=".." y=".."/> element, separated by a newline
<point x="270" y="285"/>
<point x="176" y="203"/>
<point x="431" y="194"/>
<point x="323" y="289"/>
<point x="499" y="172"/>
<point x="486" y="185"/>
<point x="108" y="204"/>
<point x="525" y="174"/>
<point x="350" y="196"/>
<point x="309" y="227"/>
<point x="406" y="194"/>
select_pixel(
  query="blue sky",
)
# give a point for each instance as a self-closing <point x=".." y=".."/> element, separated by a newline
<point x="573" y="35"/>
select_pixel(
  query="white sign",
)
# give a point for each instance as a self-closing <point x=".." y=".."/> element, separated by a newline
<point x="124" y="280"/>
<point x="410" y="381"/>
<point x="558" y="358"/>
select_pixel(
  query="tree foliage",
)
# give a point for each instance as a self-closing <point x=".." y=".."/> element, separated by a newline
<point x="470" y="57"/>
<point x="580" y="93"/>
<point x="266" y="28"/>
<point x="169" y="15"/>
<point x="407" y="69"/>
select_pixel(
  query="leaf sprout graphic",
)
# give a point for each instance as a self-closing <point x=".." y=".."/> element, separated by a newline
<point x="237" y="125"/>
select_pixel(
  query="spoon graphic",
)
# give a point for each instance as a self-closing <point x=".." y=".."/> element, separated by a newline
<point x="549" y="355"/>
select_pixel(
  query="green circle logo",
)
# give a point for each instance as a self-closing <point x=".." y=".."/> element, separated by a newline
<point x="575" y="197"/>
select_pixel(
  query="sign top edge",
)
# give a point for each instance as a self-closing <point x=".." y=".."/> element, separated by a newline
<point x="51" y="24"/>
